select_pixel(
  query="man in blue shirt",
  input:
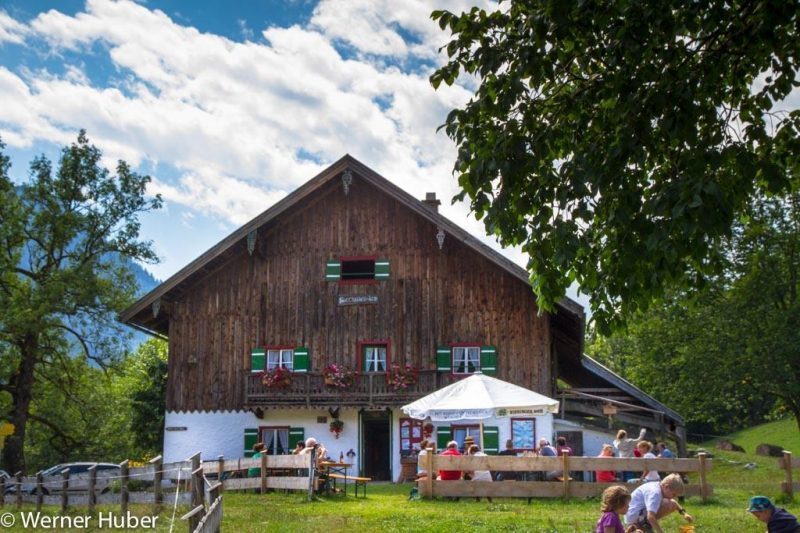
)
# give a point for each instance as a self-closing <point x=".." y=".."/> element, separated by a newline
<point x="663" y="451"/>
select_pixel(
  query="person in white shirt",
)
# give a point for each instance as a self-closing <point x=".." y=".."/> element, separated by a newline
<point x="646" y="449"/>
<point x="479" y="475"/>
<point x="653" y="501"/>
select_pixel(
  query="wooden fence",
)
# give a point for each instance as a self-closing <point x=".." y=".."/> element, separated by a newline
<point x="192" y="482"/>
<point x="566" y="488"/>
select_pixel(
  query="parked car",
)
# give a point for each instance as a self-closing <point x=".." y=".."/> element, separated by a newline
<point x="52" y="478"/>
<point x="5" y="476"/>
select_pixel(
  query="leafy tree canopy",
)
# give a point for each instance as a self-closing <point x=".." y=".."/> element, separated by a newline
<point x="729" y="356"/>
<point x="616" y="142"/>
<point x="65" y="236"/>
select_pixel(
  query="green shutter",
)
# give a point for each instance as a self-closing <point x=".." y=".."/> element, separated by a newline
<point x="301" y="360"/>
<point x="381" y="269"/>
<point x="489" y="360"/>
<point x="296" y="435"/>
<point x="491" y="440"/>
<point x="257" y="360"/>
<point x="250" y="438"/>
<point x="443" y="436"/>
<point x="333" y="271"/>
<point x="444" y="359"/>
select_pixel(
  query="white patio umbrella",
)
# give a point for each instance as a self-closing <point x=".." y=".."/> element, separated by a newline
<point x="477" y="397"/>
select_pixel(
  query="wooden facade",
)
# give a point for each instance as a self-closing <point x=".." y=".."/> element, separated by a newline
<point x="275" y="293"/>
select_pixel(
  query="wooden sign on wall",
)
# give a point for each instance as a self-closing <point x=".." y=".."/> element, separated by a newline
<point x="357" y="299"/>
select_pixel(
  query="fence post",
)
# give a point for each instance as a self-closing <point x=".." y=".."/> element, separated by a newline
<point x="197" y="487"/>
<point x="195" y="460"/>
<point x="18" y="477"/>
<point x="64" y="490"/>
<point x="39" y="490"/>
<point x="431" y="474"/>
<point x="194" y="517"/>
<point x="312" y="473"/>
<point x="220" y="472"/>
<point x="703" y="485"/>
<point x="158" y="466"/>
<point x="787" y="464"/>
<point x="92" y="485"/>
<point x="123" y="489"/>
<point x="214" y="491"/>
<point x="263" y="473"/>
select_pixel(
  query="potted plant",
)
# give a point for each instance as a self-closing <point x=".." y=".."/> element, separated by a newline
<point x="336" y="427"/>
<point x="278" y="377"/>
<point x="338" y="376"/>
<point x="402" y="377"/>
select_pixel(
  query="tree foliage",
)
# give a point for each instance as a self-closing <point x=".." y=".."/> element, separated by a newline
<point x="727" y="357"/>
<point x="617" y="142"/>
<point x="66" y="234"/>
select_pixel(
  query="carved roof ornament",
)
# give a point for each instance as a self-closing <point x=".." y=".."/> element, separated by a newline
<point x="440" y="237"/>
<point x="156" y="307"/>
<point x="347" y="180"/>
<point x="251" y="242"/>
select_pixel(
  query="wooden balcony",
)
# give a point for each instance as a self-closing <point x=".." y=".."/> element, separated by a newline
<point x="368" y="390"/>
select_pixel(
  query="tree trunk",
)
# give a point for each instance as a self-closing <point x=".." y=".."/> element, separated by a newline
<point x="22" y="391"/>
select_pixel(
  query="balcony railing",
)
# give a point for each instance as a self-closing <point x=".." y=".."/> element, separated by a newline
<point x="309" y="389"/>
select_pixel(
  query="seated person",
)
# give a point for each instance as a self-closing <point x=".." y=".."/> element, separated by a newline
<point x="479" y="475"/>
<point x="450" y="475"/>
<point x="423" y="451"/>
<point x="317" y="447"/>
<point x="651" y="502"/>
<point x="546" y="450"/>
<point x="606" y="476"/>
<point x="258" y="448"/>
<point x="507" y="475"/>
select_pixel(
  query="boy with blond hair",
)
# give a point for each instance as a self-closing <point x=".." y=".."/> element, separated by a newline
<point x="653" y="501"/>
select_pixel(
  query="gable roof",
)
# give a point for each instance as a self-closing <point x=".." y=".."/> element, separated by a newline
<point x="569" y="314"/>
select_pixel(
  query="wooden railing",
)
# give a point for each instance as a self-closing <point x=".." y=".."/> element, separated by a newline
<point x="309" y="388"/>
<point x="565" y="488"/>
<point x="192" y="482"/>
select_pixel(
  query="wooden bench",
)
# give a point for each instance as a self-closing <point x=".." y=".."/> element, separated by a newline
<point x="358" y="481"/>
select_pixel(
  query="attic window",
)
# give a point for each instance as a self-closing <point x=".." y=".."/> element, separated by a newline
<point x="358" y="268"/>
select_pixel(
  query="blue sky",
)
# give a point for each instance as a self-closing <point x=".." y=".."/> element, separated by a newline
<point x="230" y="106"/>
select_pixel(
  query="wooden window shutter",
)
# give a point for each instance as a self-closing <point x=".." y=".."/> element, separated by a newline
<point x="443" y="436"/>
<point x="489" y="360"/>
<point x="250" y="438"/>
<point x="296" y="435"/>
<point x="257" y="359"/>
<point x="491" y="440"/>
<point x="381" y="269"/>
<point x="301" y="359"/>
<point x="444" y="359"/>
<point x="333" y="270"/>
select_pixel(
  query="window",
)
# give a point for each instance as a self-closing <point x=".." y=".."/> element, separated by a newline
<point x="358" y="269"/>
<point x="280" y="358"/>
<point x="410" y="436"/>
<point x="375" y="358"/>
<point x="466" y="359"/>
<point x="460" y="433"/>
<point x="523" y="433"/>
<point x="276" y="440"/>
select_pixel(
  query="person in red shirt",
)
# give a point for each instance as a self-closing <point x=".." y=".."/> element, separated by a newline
<point x="606" y="476"/>
<point x="450" y="475"/>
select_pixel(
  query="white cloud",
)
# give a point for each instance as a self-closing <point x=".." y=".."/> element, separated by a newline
<point x="10" y="30"/>
<point x="233" y="118"/>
